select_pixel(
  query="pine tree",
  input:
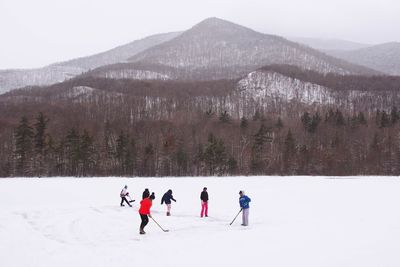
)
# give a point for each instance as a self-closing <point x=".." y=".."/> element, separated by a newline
<point x="340" y="121"/>
<point x="361" y="118"/>
<point x="40" y="143"/>
<point x="310" y="124"/>
<point x="279" y="124"/>
<point x="378" y="117"/>
<point x="107" y="151"/>
<point x="148" y="161"/>
<point x="232" y="165"/>
<point x="385" y="121"/>
<point x="23" y="148"/>
<point x="259" y="152"/>
<point x="87" y="154"/>
<point x="244" y="124"/>
<point x="131" y="155"/>
<point x="394" y="115"/>
<point x="181" y="160"/>
<point x="72" y="152"/>
<point x="121" y="153"/>
<point x="306" y="120"/>
<point x="257" y="115"/>
<point x="224" y="117"/>
<point x="289" y="154"/>
<point x="209" y="154"/>
<point x="215" y="155"/>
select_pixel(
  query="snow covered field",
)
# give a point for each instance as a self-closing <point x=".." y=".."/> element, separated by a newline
<point x="297" y="221"/>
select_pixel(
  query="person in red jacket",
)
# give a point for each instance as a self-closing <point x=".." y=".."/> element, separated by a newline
<point x="144" y="213"/>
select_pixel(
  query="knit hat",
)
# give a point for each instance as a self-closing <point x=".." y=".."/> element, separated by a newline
<point x="146" y="193"/>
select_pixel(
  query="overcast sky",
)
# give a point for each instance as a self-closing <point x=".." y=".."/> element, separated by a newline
<point x="39" y="32"/>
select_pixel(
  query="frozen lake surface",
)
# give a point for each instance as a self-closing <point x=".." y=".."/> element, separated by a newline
<point x="296" y="221"/>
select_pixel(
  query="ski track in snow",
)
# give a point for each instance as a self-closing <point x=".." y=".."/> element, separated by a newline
<point x="297" y="221"/>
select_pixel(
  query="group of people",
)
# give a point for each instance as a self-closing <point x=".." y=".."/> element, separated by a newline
<point x="147" y="201"/>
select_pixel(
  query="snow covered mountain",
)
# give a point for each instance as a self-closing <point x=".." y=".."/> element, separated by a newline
<point x="275" y="90"/>
<point x="266" y="85"/>
<point x="58" y="72"/>
<point x="120" y="53"/>
<point x="383" y="57"/>
<point x="221" y="45"/>
<point x="328" y="44"/>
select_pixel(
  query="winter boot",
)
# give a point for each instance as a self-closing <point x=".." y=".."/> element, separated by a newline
<point x="142" y="232"/>
<point x="168" y="213"/>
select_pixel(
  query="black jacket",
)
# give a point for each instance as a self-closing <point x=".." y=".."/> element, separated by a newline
<point x="204" y="196"/>
<point x="167" y="197"/>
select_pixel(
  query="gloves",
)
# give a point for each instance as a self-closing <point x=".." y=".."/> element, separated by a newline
<point x="150" y="216"/>
<point x="174" y="200"/>
<point x="127" y="193"/>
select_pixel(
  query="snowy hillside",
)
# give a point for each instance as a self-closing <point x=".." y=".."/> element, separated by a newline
<point x="58" y="72"/>
<point x="120" y="53"/>
<point x="218" y="43"/>
<point x="271" y="90"/>
<point x="11" y="79"/>
<point x="294" y="221"/>
<point x="328" y="44"/>
<point x="383" y="57"/>
<point x="263" y="86"/>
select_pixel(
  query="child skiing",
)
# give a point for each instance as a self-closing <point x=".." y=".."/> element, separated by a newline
<point x="124" y="193"/>
<point x="204" y="202"/>
<point x="244" y="204"/>
<point x="144" y="212"/>
<point x="167" y="197"/>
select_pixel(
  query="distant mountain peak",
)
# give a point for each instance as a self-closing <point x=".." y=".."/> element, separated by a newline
<point x="223" y="46"/>
<point x="218" y="26"/>
<point x="214" y="21"/>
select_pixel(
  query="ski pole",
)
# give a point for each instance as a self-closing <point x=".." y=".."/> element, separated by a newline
<point x="158" y="224"/>
<point x="236" y="216"/>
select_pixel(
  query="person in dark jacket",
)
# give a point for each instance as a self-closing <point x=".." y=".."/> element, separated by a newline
<point x="167" y="197"/>
<point x="204" y="202"/>
<point x="244" y="204"/>
<point x="152" y="196"/>
<point x="146" y="193"/>
<point x="144" y="213"/>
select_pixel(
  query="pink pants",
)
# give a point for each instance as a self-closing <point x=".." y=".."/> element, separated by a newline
<point x="204" y="208"/>
<point x="168" y="207"/>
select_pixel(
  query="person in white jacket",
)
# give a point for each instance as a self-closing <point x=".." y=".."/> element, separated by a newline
<point x="124" y="193"/>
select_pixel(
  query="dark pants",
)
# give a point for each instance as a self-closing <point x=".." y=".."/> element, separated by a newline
<point x="124" y="199"/>
<point x="145" y="220"/>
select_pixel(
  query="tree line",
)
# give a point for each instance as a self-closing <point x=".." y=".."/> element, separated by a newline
<point x="328" y="143"/>
<point x="103" y="127"/>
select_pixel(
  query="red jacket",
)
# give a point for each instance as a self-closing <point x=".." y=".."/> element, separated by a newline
<point x="145" y="206"/>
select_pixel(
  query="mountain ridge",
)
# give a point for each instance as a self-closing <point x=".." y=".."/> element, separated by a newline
<point x="382" y="57"/>
<point x="60" y="71"/>
<point x="218" y="43"/>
